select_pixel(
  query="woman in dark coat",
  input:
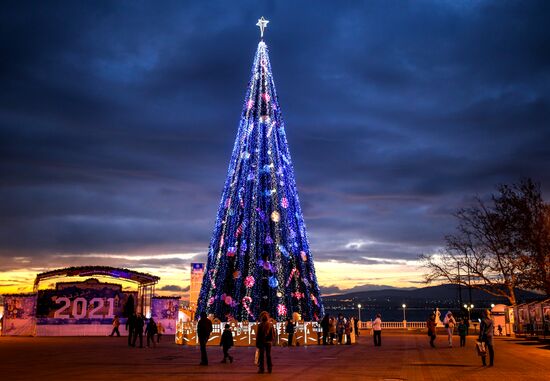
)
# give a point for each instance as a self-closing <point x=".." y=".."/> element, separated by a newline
<point x="264" y="339"/>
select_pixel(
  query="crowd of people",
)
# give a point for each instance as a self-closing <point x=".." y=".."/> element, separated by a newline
<point x="135" y="325"/>
<point x="335" y="330"/>
<point x="484" y="340"/>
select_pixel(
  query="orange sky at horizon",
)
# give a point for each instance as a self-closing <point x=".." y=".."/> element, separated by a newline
<point x="345" y="276"/>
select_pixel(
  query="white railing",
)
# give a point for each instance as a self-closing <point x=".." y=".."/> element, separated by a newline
<point x="394" y="324"/>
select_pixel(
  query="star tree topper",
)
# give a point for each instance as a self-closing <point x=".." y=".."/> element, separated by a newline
<point x="262" y="23"/>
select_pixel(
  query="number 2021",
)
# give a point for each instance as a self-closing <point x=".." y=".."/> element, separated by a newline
<point x="80" y="308"/>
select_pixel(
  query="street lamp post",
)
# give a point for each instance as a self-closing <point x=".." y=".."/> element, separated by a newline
<point x="404" y="316"/>
<point x="469" y="307"/>
<point x="359" y="312"/>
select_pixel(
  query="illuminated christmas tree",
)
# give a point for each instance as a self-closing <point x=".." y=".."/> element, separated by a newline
<point x="259" y="257"/>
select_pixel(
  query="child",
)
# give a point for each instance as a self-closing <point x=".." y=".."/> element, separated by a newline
<point x="463" y="331"/>
<point x="226" y="342"/>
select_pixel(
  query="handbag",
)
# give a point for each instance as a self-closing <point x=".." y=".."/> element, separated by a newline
<point x="480" y="348"/>
<point x="257" y="357"/>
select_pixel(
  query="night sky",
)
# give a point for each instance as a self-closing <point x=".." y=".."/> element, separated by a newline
<point x="117" y="121"/>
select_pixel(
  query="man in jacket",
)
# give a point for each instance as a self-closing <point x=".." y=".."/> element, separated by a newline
<point x="130" y="325"/>
<point x="486" y="328"/>
<point x="204" y="329"/>
<point x="138" y="330"/>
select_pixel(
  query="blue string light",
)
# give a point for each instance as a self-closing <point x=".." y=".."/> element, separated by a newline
<point x="259" y="258"/>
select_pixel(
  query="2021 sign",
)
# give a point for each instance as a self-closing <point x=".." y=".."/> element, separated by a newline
<point x="80" y="308"/>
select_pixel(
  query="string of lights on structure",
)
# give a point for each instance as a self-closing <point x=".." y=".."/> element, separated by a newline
<point x="259" y="257"/>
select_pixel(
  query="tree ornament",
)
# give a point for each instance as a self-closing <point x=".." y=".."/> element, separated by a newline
<point x="275" y="216"/>
<point x="261" y="214"/>
<point x="281" y="310"/>
<point x="283" y="250"/>
<point x="249" y="281"/>
<point x="246" y="301"/>
<point x="298" y="295"/>
<point x="262" y="24"/>
<point x="273" y="282"/>
<point x="284" y="202"/>
<point x="294" y="272"/>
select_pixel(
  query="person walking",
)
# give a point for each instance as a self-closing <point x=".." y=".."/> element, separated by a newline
<point x="264" y="339"/>
<point x="138" y="330"/>
<point x="290" y="331"/>
<point x="431" y="325"/>
<point x="130" y="326"/>
<point x="332" y="329"/>
<point x="486" y="333"/>
<point x="450" y="323"/>
<point x="347" y="330"/>
<point x="340" y="327"/>
<point x="150" y="332"/>
<point x="325" y="325"/>
<point x="377" y="330"/>
<point x="463" y="331"/>
<point x="356" y="326"/>
<point x="116" y="324"/>
<point x="160" y="331"/>
<point x="226" y="343"/>
<point x="204" y="329"/>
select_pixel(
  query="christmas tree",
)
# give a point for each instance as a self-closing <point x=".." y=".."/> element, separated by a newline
<point x="259" y="257"/>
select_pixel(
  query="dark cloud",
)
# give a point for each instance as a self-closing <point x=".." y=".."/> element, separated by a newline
<point x="117" y="120"/>
<point x="174" y="288"/>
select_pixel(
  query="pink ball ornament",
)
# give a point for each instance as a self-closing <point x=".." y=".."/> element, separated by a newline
<point x="249" y="281"/>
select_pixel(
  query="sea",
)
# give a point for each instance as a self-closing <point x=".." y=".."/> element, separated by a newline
<point x="392" y="314"/>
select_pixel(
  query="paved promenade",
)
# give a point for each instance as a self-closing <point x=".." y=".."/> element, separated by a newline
<point x="401" y="357"/>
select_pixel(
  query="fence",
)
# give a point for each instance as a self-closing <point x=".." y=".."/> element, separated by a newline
<point x="395" y="324"/>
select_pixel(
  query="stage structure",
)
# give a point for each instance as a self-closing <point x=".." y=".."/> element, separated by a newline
<point x="145" y="282"/>
<point x="259" y="257"/>
<point x="88" y="307"/>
